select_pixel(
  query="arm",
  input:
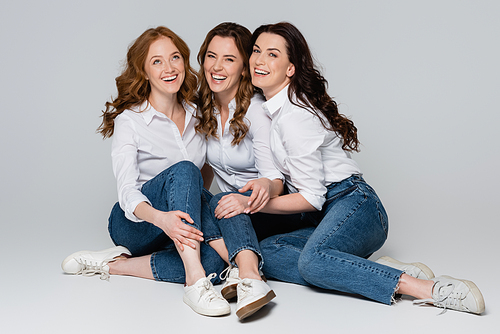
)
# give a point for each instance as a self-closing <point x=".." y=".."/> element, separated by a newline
<point x="269" y="184"/>
<point x="262" y="190"/>
<point x="133" y="202"/>
<point x="288" y="204"/>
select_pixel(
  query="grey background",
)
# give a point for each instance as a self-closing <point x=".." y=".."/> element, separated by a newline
<point x="420" y="80"/>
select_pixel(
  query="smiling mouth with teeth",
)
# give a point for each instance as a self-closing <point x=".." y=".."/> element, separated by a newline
<point x="170" y="79"/>
<point x="261" y="72"/>
<point x="218" y="77"/>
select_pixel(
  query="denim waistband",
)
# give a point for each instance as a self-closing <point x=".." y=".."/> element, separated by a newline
<point x="350" y="178"/>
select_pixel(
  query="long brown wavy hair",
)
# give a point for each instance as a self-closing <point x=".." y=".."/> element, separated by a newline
<point x="134" y="89"/>
<point x="207" y="122"/>
<point x="309" y="86"/>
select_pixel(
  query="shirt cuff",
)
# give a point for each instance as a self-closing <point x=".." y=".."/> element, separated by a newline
<point x="131" y="206"/>
<point x="314" y="200"/>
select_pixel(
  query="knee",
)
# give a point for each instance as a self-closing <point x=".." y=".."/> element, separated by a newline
<point x="307" y="266"/>
<point x="214" y="201"/>
<point x="311" y="267"/>
<point x="184" y="166"/>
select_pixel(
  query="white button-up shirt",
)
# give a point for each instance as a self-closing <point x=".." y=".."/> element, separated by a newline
<point x="146" y="143"/>
<point x="310" y="156"/>
<point x="235" y="165"/>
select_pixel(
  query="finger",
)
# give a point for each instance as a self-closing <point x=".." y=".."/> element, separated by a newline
<point x="259" y="207"/>
<point x="192" y="236"/>
<point x="246" y="187"/>
<point x="221" y="208"/>
<point x="255" y="198"/>
<point x="184" y="215"/>
<point x="178" y="244"/>
<point x="190" y="229"/>
<point x="233" y="213"/>
<point x="260" y="202"/>
<point x="187" y="242"/>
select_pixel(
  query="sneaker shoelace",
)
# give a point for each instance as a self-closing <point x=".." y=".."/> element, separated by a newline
<point x="225" y="273"/>
<point x="208" y="291"/>
<point x="245" y="287"/>
<point x="92" y="268"/>
<point x="446" y="299"/>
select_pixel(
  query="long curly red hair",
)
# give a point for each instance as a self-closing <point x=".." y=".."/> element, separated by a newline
<point x="134" y="89"/>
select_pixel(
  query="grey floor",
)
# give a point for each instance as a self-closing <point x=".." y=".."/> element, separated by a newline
<point x="36" y="297"/>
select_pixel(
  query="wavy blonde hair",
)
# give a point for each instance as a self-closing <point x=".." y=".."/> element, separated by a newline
<point x="207" y="122"/>
<point x="134" y="89"/>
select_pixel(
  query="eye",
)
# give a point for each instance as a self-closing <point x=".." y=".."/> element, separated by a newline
<point x="272" y="55"/>
<point x="210" y="56"/>
<point x="230" y="59"/>
<point x="176" y="57"/>
<point x="256" y="51"/>
<point x="156" y="61"/>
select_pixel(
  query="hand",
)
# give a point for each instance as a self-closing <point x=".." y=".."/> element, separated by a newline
<point x="261" y="188"/>
<point x="231" y="205"/>
<point x="181" y="233"/>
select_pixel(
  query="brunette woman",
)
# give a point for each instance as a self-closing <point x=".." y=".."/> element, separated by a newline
<point x="237" y="131"/>
<point x="311" y="144"/>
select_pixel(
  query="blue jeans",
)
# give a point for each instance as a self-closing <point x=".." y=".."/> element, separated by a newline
<point x="179" y="187"/>
<point x="237" y="232"/>
<point x="333" y="255"/>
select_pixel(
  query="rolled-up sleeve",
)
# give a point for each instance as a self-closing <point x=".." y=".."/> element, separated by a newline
<point x="124" y="159"/>
<point x="302" y="134"/>
<point x="260" y="130"/>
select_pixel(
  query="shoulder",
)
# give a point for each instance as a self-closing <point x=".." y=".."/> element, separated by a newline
<point x="297" y="121"/>
<point x="256" y="109"/>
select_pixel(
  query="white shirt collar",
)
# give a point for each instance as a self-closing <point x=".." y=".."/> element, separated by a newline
<point x="148" y="112"/>
<point x="274" y="104"/>
<point x="231" y="106"/>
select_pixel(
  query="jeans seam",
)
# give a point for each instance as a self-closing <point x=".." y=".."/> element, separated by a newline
<point x="153" y="267"/>
<point x="342" y="222"/>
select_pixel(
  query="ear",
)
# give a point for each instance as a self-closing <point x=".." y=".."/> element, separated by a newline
<point x="290" y="70"/>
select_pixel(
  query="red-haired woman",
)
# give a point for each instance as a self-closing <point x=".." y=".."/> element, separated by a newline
<point x="157" y="156"/>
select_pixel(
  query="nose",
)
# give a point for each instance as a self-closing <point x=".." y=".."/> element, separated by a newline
<point x="167" y="67"/>
<point x="218" y="65"/>
<point x="258" y="58"/>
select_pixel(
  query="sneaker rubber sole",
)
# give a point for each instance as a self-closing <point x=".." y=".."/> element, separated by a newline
<point x="253" y="307"/>
<point x="229" y="292"/>
<point x="207" y="312"/>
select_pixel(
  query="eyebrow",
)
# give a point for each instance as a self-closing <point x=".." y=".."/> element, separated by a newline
<point x="231" y="56"/>
<point x="269" y="49"/>
<point x="172" y="54"/>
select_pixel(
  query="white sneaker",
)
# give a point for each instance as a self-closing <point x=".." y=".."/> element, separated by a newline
<point x="415" y="269"/>
<point x="88" y="263"/>
<point x="203" y="299"/>
<point x="455" y="294"/>
<point x="253" y="294"/>
<point x="231" y="275"/>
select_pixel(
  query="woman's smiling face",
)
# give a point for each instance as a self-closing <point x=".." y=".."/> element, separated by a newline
<point x="223" y="66"/>
<point x="164" y="67"/>
<point x="270" y="67"/>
